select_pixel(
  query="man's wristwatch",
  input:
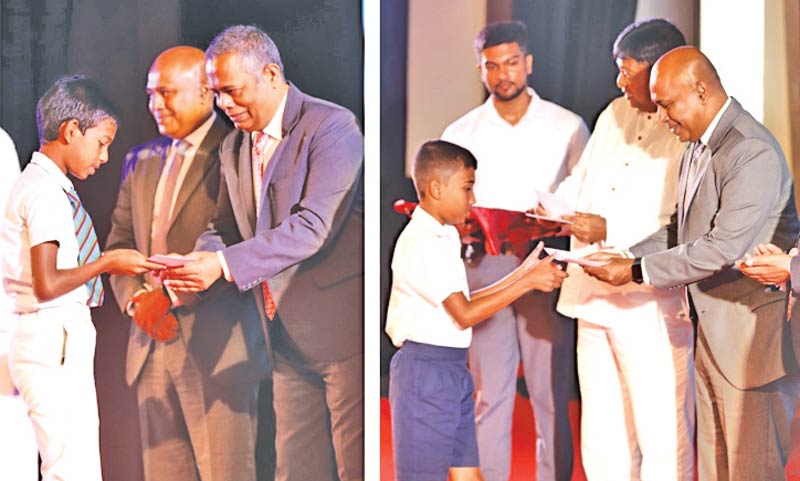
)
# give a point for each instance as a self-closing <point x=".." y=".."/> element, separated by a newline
<point x="636" y="270"/>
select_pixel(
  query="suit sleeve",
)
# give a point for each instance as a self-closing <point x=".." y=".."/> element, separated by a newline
<point x="747" y="198"/>
<point x="121" y="235"/>
<point x="335" y="157"/>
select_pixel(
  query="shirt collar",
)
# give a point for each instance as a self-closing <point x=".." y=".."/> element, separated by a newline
<point x="532" y="112"/>
<point x="197" y="136"/>
<point x="275" y="126"/>
<point x="45" y="163"/>
<point x="706" y="137"/>
<point x="427" y="221"/>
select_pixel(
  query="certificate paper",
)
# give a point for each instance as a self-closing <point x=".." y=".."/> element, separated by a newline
<point x="567" y="256"/>
<point x="170" y="261"/>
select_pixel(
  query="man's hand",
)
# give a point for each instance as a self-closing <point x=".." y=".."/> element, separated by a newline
<point x="770" y="269"/>
<point x="195" y="276"/>
<point x="616" y="272"/>
<point x="547" y="224"/>
<point x="588" y="228"/>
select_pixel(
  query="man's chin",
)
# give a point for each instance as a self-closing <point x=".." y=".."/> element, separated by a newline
<point x="508" y="97"/>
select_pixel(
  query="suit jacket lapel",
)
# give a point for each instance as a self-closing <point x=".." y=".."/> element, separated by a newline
<point x="291" y="115"/>
<point x="720" y="132"/>
<point x="684" y="177"/>
<point x="704" y="161"/>
<point x="147" y="183"/>
<point x="199" y="167"/>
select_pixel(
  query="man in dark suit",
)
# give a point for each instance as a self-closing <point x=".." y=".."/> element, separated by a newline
<point x="735" y="192"/>
<point x="289" y="227"/>
<point x="197" y="392"/>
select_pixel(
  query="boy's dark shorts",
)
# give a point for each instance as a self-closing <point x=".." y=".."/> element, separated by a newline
<point x="433" y="412"/>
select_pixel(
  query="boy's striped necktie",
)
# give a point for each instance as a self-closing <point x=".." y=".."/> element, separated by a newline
<point x="88" y="248"/>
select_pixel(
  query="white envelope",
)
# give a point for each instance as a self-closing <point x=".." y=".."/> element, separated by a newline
<point x="556" y="206"/>
<point x="170" y="261"/>
<point x="567" y="256"/>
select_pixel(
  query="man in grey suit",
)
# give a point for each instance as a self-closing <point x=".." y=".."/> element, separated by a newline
<point x="735" y="192"/>
<point x="197" y="392"/>
<point x="289" y="228"/>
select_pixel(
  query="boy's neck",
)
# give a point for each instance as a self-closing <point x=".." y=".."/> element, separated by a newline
<point x="432" y="210"/>
<point x="54" y="152"/>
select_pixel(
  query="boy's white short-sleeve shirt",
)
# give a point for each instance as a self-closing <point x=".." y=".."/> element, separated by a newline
<point x="426" y="269"/>
<point x="38" y="211"/>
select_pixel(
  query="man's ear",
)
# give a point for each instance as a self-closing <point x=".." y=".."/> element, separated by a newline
<point x="529" y="64"/>
<point x="273" y="74"/>
<point x="68" y="130"/>
<point x="702" y="93"/>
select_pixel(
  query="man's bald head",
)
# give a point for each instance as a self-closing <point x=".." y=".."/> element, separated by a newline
<point x="177" y="88"/>
<point x="687" y="90"/>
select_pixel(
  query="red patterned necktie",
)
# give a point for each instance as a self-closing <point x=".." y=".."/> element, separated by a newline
<point x="259" y="147"/>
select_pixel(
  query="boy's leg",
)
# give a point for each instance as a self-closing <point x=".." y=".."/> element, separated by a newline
<point x="61" y="398"/>
<point x="425" y="399"/>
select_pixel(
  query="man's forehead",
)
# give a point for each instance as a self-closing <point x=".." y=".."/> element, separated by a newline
<point x="503" y="51"/>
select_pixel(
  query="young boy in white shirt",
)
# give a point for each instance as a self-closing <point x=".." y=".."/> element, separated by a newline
<point x="430" y="316"/>
<point x="51" y="271"/>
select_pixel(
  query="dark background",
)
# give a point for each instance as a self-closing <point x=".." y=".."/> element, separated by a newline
<point x="571" y="42"/>
<point x="114" y="42"/>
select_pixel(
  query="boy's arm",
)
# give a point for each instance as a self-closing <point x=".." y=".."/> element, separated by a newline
<point x="544" y="276"/>
<point x="50" y="282"/>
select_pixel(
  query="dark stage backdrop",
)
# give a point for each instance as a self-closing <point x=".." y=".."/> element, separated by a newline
<point x="114" y="42"/>
<point x="571" y="41"/>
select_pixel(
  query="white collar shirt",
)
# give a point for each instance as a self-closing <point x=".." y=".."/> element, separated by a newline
<point x="426" y="269"/>
<point x="38" y="211"/>
<point x="514" y="161"/>
<point x="629" y="175"/>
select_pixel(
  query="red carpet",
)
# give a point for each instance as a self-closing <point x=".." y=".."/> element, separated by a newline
<point x="523" y="456"/>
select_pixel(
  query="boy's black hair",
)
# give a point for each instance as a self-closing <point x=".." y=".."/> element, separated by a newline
<point x="439" y="159"/>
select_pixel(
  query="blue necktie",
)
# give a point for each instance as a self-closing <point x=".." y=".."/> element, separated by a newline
<point x="88" y="248"/>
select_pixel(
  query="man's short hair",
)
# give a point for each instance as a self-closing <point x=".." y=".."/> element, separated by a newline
<point x="439" y="159"/>
<point x="71" y="98"/>
<point x="253" y="45"/>
<point x="501" y="32"/>
<point x="647" y="40"/>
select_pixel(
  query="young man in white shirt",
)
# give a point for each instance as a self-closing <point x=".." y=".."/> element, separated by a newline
<point x="524" y="144"/>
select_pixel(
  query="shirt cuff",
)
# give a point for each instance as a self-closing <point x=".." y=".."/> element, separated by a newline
<point x="645" y="277"/>
<point x="225" y="271"/>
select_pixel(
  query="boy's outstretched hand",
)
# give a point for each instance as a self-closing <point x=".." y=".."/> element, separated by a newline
<point x="128" y="262"/>
<point x="544" y="276"/>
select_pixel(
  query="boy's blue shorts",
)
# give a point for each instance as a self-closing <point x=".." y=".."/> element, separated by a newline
<point x="433" y="412"/>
